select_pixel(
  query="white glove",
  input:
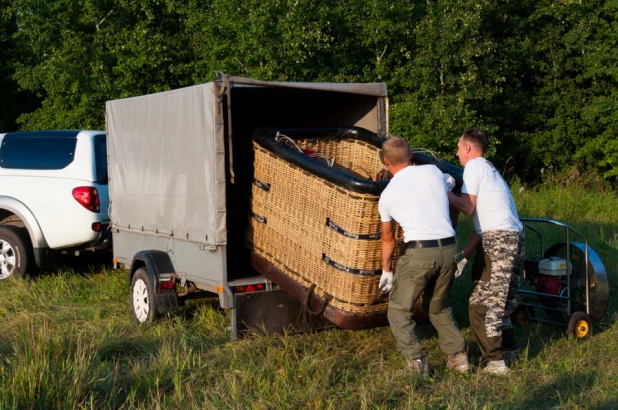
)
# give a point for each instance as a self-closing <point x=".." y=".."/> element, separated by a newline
<point x="461" y="262"/>
<point x="386" y="281"/>
<point x="450" y="182"/>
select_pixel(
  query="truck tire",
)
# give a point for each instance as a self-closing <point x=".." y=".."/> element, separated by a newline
<point x="143" y="298"/>
<point x="16" y="254"/>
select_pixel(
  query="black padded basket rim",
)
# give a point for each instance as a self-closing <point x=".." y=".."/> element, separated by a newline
<point x="265" y="137"/>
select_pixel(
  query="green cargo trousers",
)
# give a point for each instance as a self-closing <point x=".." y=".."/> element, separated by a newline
<point x="428" y="270"/>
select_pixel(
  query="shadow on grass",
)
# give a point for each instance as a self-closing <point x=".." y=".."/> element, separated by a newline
<point x="611" y="404"/>
<point x="123" y="348"/>
<point x="534" y="337"/>
<point x="6" y="349"/>
<point x="84" y="264"/>
<point x="191" y="307"/>
<point x="560" y="392"/>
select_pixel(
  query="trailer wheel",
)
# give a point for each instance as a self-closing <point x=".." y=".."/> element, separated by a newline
<point x="521" y="315"/>
<point x="143" y="299"/>
<point x="580" y="325"/>
<point x="16" y="255"/>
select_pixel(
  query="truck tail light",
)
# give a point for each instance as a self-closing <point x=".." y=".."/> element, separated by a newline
<point x="88" y="197"/>
<point x="250" y="288"/>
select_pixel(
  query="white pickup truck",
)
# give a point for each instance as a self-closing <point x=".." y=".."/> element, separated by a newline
<point x="53" y="197"/>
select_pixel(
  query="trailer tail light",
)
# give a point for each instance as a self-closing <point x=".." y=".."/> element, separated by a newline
<point x="250" y="288"/>
<point x="88" y="197"/>
<point x="167" y="282"/>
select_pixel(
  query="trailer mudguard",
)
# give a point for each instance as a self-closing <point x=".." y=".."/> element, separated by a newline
<point x="156" y="263"/>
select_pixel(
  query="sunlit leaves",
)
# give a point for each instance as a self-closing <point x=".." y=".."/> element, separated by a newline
<point x="540" y="77"/>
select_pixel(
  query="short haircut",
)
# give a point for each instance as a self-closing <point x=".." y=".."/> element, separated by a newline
<point x="474" y="136"/>
<point x="397" y="151"/>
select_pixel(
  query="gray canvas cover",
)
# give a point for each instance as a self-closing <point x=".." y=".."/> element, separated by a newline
<point x="374" y="89"/>
<point x="165" y="178"/>
<point x="167" y="157"/>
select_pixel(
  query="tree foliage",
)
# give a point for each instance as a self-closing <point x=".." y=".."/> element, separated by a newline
<point x="13" y="102"/>
<point x="539" y="76"/>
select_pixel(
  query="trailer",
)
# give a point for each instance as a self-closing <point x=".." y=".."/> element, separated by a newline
<point x="180" y="177"/>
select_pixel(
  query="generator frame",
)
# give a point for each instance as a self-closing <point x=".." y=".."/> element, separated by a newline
<point x="578" y="323"/>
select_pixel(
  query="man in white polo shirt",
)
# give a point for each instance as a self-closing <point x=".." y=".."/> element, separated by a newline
<point x="499" y="240"/>
<point x="416" y="197"/>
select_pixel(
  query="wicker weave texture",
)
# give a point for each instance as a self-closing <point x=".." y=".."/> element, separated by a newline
<point x="353" y="156"/>
<point x="301" y="221"/>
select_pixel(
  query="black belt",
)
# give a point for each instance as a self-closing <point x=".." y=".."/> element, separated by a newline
<point x="431" y="243"/>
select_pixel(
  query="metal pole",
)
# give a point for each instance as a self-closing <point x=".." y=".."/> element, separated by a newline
<point x="234" y="325"/>
<point x="587" y="289"/>
<point x="568" y="244"/>
<point x="533" y="229"/>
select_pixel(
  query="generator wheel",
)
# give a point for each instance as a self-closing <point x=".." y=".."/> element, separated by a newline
<point x="521" y="315"/>
<point x="580" y="325"/>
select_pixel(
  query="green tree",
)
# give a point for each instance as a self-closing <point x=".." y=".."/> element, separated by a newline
<point x="573" y="104"/>
<point x="450" y="74"/>
<point x="13" y="101"/>
<point x="540" y="77"/>
<point x="85" y="52"/>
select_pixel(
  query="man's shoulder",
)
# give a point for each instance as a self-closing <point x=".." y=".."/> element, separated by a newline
<point x="479" y="165"/>
<point x="426" y="169"/>
<point x="386" y="192"/>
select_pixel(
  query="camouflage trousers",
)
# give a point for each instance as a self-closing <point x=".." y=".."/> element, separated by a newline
<point x="496" y="271"/>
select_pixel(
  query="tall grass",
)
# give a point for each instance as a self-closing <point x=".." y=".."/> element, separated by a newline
<point x="67" y="341"/>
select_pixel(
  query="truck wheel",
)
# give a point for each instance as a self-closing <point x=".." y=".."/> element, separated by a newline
<point x="16" y="254"/>
<point x="143" y="299"/>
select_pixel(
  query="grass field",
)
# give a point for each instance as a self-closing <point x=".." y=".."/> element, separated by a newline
<point x="67" y="341"/>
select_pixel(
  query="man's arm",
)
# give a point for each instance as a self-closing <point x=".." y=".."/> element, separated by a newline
<point x="473" y="243"/>
<point x="465" y="203"/>
<point x="388" y="245"/>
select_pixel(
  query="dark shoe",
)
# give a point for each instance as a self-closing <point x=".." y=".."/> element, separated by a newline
<point x="510" y="357"/>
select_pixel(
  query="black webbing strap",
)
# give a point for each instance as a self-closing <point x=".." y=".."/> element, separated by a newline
<point x="260" y="219"/>
<point x="355" y="271"/>
<point x="340" y="230"/>
<point x="307" y="302"/>
<point x="263" y="186"/>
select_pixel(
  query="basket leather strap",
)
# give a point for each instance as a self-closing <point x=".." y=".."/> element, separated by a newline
<point x="307" y="301"/>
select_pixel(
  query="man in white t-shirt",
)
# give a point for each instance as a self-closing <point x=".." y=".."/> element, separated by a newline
<point x="499" y="240"/>
<point x="416" y="199"/>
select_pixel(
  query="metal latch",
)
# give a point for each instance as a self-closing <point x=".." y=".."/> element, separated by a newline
<point x="209" y="248"/>
<point x="182" y="276"/>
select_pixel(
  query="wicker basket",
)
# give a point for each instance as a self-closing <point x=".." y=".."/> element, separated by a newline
<point x="318" y="232"/>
